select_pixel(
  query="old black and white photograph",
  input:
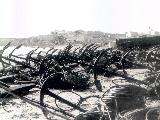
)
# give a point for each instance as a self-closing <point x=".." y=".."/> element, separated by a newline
<point x="79" y="60"/>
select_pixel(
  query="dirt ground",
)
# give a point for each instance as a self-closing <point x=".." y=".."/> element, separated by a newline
<point x="16" y="109"/>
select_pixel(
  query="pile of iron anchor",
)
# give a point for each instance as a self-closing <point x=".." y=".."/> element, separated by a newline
<point x="72" y="69"/>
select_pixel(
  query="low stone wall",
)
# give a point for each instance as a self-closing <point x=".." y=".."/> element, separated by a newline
<point x="142" y="42"/>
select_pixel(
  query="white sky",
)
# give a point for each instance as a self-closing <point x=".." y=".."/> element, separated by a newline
<point x="24" y="18"/>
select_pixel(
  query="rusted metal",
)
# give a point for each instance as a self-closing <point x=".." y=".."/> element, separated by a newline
<point x="61" y="71"/>
<point x="4" y="84"/>
<point x="17" y="89"/>
<point x="8" y="78"/>
<point x="32" y="102"/>
<point x="45" y="91"/>
<point x="1" y="55"/>
<point x="29" y="58"/>
<point x="11" y="54"/>
<point x="11" y="60"/>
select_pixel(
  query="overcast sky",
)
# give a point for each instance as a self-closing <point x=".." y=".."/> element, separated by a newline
<point x="24" y="18"/>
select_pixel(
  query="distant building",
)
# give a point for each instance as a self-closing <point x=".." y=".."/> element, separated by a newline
<point x="152" y="32"/>
<point x="132" y="34"/>
<point x="116" y="35"/>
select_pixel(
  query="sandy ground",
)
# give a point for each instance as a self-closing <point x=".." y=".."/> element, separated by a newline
<point x="15" y="109"/>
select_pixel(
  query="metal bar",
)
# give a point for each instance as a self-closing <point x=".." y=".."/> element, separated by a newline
<point x="49" y="50"/>
<point x="19" y="57"/>
<point x="18" y="62"/>
<point x="1" y="53"/>
<point x="31" y="58"/>
<point x="60" y="110"/>
<point x="4" y="84"/>
<point x="65" y="101"/>
<point x="14" y="50"/>
<point x="25" y="82"/>
<point x="30" y="54"/>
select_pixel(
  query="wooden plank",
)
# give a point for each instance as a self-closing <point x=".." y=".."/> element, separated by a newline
<point x="33" y="103"/>
<point x="7" y="79"/>
<point x="18" y="89"/>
